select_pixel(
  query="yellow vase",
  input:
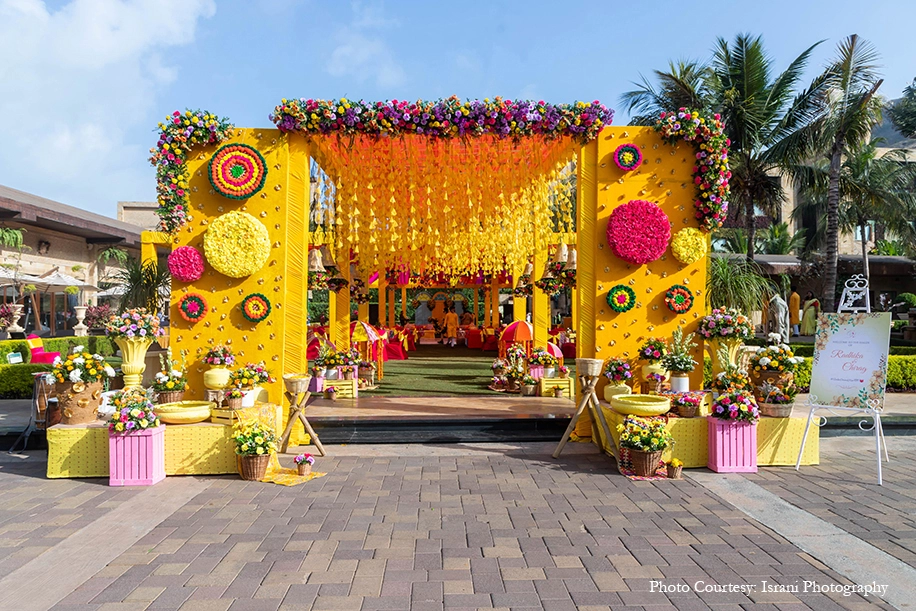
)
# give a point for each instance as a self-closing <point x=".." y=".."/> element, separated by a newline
<point x="612" y="390"/>
<point x="651" y="368"/>
<point x="133" y="351"/>
<point x="217" y="377"/>
<point x="732" y="347"/>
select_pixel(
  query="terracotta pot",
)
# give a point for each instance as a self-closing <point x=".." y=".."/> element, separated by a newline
<point x="331" y="395"/>
<point x="558" y="392"/>
<point x="133" y="351"/>
<point x="780" y="379"/>
<point x="304" y="468"/>
<point x="564" y="375"/>
<point x="217" y="377"/>
<point x="78" y="402"/>
<point x="234" y="403"/>
<point x="253" y="468"/>
<point x="645" y="464"/>
<point x="169" y="396"/>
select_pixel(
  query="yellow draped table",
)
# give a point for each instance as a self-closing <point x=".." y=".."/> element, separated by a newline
<point x="205" y="448"/>
<point x="778" y="440"/>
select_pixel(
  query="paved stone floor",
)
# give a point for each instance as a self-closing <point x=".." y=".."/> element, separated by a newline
<point x="447" y="527"/>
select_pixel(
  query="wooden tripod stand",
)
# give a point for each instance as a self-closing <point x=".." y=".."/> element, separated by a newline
<point x="590" y="370"/>
<point x="297" y="405"/>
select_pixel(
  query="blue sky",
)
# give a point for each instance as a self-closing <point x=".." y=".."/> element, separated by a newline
<point x="84" y="82"/>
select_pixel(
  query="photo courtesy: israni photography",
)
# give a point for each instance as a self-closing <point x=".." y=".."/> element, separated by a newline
<point x="803" y="586"/>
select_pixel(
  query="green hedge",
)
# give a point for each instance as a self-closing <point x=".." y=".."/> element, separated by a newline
<point x="901" y="372"/>
<point x="16" y="380"/>
<point x="808" y="349"/>
<point x="96" y="344"/>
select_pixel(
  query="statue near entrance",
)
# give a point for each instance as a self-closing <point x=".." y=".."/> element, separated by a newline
<point x="779" y="316"/>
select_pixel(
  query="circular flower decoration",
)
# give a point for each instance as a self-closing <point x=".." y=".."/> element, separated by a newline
<point x="689" y="245"/>
<point x="186" y="264"/>
<point x="237" y="171"/>
<point x="621" y="298"/>
<point x="638" y="232"/>
<point x="237" y="244"/>
<point x="628" y="157"/>
<point x="679" y="299"/>
<point x="193" y="307"/>
<point x="255" y="307"/>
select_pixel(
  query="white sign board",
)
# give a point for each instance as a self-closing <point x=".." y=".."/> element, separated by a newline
<point x="14" y="358"/>
<point x="850" y="359"/>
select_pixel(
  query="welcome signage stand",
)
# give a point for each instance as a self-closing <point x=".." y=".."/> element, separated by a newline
<point x="849" y="372"/>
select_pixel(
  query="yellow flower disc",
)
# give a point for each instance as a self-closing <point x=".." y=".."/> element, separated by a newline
<point x="689" y="245"/>
<point x="236" y="244"/>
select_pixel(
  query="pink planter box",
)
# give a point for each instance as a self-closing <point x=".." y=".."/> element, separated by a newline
<point x="536" y="371"/>
<point x="732" y="446"/>
<point x="137" y="459"/>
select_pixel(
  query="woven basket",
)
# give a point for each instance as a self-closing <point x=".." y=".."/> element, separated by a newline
<point x="645" y="464"/>
<point x="297" y="382"/>
<point x="169" y="396"/>
<point x="686" y="411"/>
<point x="674" y="472"/>
<point x="234" y="403"/>
<point x="589" y="367"/>
<point x="304" y="468"/>
<point x="253" y="468"/>
<point x="776" y="410"/>
<point x="780" y="379"/>
<point x="529" y="391"/>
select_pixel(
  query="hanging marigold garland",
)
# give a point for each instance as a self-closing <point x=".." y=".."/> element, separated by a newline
<point x="255" y="307"/>
<point x="679" y="299"/>
<point x="178" y="134"/>
<point x="711" y="172"/>
<point x="237" y="171"/>
<point x="621" y="298"/>
<point x="192" y="307"/>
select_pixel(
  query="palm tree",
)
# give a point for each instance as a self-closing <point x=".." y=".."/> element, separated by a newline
<point x="871" y="188"/>
<point x="143" y="284"/>
<point x="778" y="240"/>
<point x="903" y="113"/>
<point x="731" y="239"/>
<point x="848" y="110"/>
<point x="682" y="86"/>
<point x="733" y="282"/>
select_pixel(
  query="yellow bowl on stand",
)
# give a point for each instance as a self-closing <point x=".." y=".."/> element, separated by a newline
<point x="640" y="405"/>
<point x="184" y="412"/>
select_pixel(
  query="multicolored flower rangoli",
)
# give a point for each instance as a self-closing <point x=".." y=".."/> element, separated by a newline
<point x="255" y="307"/>
<point x="638" y="232"/>
<point x="186" y="264"/>
<point x="193" y="307"/>
<point x="236" y="244"/>
<point x="628" y="157"/>
<point x="621" y="298"/>
<point x="237" y="171"/>
<point x="679" y="299"/>
<point x="689" y="245"/>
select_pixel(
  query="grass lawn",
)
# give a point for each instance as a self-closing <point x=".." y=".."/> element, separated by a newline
<point x="437" y="371"/>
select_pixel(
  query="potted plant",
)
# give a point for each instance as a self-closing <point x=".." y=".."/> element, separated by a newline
<point x="171" y="382"/>
<point x="6" y="319"/>
<point x="254" y="443"/>
<point x="646" y="439"/>
<point x="97" y="315"/>
<point x="732" y="433"/>
<point x="78" y="378"/>
<point x="133" y="331"/>
<point x="653" y="351"/>
<point x="724" y="328"/>
<point x="366" y="369"/>
<point x="687" y="404"/>
<point x="679" y="361"/>
<point x="330" y="392"/>
<point x="558" y="392"/>
<point x="317" y="371"/>
<point x="219" y="358"/>
<point x="347" y="371"/>
<point x="529" y="386"/>
<point x="774" y="365"/>
<point x="563" y="372"/>
<point x="618" y="372"/>
<point x="136" y="441"/>
<point x="499" y="367"/>
<point x="539" y="362"/>
<point x="304" y="463"/>
<point x="332" y="361"/>
<point x="234" y="398"/>
<point x="777" y="402"/>
<point x="249" y="378"/>
<point x="731" y="377"/>
<point x="674" y="467"/>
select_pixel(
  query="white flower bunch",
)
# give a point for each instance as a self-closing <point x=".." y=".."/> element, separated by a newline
<point x="76" y="376"/>
<point x="109" y="371"/>
<point x="764" y="361"/>
<point x="77" y="349"/>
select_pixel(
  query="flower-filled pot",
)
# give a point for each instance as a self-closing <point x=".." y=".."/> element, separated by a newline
<point x="674" y="472"/>
<point x="680" y="382"/>
<point x="645" y="464"/>
<point x="558" y="392"/>
<point x="348" y="375"/>
<point x="732" y="446"/>
<point x="169" y="396"/>
<point x="330" y="395"/>
<point x="250" y="396"/>
<point x="529" y="390"/>
<point x="563" y="375"/>
<point x="253" y="468"/>
<point x="775" y="410"/>
<point x="654" y="368"/>
<point x="78" y="401"/>
<point x="234" y="403"/>
<point x="779" y="379"/>
<point x="612" y="390"/>
<point x="136" y="458"/>
<point x="133" y="351"/>
<point x="536" y="371"/>
<point x="217" y="377"/>
<point x="304" y="469"/>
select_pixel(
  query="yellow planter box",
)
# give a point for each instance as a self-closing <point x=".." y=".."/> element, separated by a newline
<point x="546" y="386"/>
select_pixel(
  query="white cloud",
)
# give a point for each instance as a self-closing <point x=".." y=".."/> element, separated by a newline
<point x="362" y="53"/>
<point x="74" y="80"/>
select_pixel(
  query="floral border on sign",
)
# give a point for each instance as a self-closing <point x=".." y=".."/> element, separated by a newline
<point x="711" y="172"/>
<point x="443" y="118"/>
<point x="177" y="136"/>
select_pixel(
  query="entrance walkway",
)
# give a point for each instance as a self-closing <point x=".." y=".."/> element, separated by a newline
<point x="437" y="371"/>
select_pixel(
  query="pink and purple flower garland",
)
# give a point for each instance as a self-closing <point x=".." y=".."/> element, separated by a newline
<point x="711" y="172"/>
<point x="638" y="232"/>
<point x="444" y="118"/>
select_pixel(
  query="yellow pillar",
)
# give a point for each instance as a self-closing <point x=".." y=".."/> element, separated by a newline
<point x="404" y="301"/>
<point x="339" y="325"/>
<point x="364" y="312"/>
<point x="587" y="248"/>
<point x="519" y="304"/>
<point x="540" y="304"/>
<point x="148" y="242"/>
<point x="476" y="307"/>
<point x="494" y="302"/>
<point x="382" y="299"/>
